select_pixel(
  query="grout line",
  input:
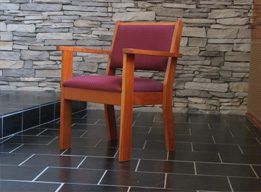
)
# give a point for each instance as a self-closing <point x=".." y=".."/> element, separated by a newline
<point x="116" y="153"/>
<point x="231" y="133"/>
<point x="167" y="156"/>
<point x="64" y="152"/>
<point x="26" y="159"/>
<point x="213" y="139"/>
<point x="52" y="140"/>
<point x="149" y="130"/>
<point x="195" y="168"/>
<point x="40" y="174"/>
<point x="81" y="162"/>
<point x="16" y="148"/>
<point x="41" y="132"/>
<point x="58" y="189"/>
<point x="191" y="145"/>
<point x="190" y="133"/>
<point x="254" y="171"/>
<point x="102" y="177"/>
<point x="258" y="141"/>
<point x="128" y="189"/>
<point x="82" y="135"/>
<point x="137" y="166"/>
<point x="230" y="185"/>
<point x="219" y="156"/>
<point x="98" y="143"/>
<point x="240" y="149"/>
<point x="144" y="145"/>
<point x="165" y="181"/>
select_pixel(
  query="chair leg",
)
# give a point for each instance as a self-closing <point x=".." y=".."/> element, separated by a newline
<point x="169" y="126"/>
<point x="65" y="124"/>
<point x="125" y="132"/>
<point x="110" y="122"/>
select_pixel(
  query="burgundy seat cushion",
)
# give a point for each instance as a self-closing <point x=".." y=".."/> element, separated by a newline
<point x="112" y="83"/>
<point x="150" y="37"/>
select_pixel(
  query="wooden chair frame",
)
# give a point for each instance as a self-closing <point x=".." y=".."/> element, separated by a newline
<point x="127" y="98"/>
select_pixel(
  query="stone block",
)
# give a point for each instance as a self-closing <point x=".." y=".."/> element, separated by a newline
<point x="242" y="47"/>
<point x="134" y="16"/>
<point x="217" y="87"/>
<point x="194" y="32"/>
<point x="41" y="7"/>
<point x="179" y="5"/>
<point x="238" y="87"/>
<point x="12" y="56"/>
<point x="122" y="5"/>
<point x="190" y="50"/>
<point x="169" y="12"/>
<point x="18" y="73"/>
<point x="222" y="33"/>
<point x="85" y="9"/>
<point x="4" y="45"/>
<point x="47" y="73"/>
<point x="66" y="36"/>
<point x="192" y="93"/>
<point x="233" y="21"/>
<point x="2" y="26"/>
<point x="34" y="55"/>
<point x="223" y="13"/>
<point x="21" y="28"/>
<point x="197" y="42"/>
<point x="219" y="47"/>
<point x="6" y="36"/>
<point x="237" y="56"/>
<point x="6" y="64"/>
<point x="9" y="7"/>
<point x="229" y="95"/>
<point x="85" y="23"/>
<point x="244" y="33"/>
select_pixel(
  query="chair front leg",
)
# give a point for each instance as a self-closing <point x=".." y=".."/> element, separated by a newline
<point x="65" y="124"/>
<point x="110" y="122"/>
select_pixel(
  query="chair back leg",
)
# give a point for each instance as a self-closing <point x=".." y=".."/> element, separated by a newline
<point x="65" y="124"/>
<point x="110" y="122"/>
<point x="168" y="125"/>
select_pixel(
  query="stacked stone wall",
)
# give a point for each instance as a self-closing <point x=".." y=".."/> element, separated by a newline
<point x="211" y="77"/>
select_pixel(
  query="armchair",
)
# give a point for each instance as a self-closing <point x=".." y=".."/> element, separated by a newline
<point x="136" y="45"/>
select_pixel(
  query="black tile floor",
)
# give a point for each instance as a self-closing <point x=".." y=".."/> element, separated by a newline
<point x="214" y="153"/>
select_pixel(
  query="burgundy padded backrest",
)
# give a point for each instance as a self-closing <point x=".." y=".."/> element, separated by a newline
<point x="150" y="37"/>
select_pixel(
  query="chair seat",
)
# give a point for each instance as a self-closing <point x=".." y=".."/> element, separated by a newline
<point x="111" y="83"/>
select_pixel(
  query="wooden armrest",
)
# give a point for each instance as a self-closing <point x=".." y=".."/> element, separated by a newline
<point x="81" y="49"/>
<point x="151" y="52"/>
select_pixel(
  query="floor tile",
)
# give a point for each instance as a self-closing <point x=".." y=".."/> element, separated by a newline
<point x="109" y="164"/>
<point x="125" y="178"/>
<point x="140" y="189"/>
<point x="191" y="182"/>
<point x="91" y="188"/>
<point x="19" y="173"/>
<point x="15" y="186"/>
<point x="194" y="156"/>
<point x="196" y="139"/>
<point x="166" y="166"/>
<point x="245" y="184"/>
<point x="221" y="148"/>
<point x="224" y="169"/>
<point x="66" y="175"/>
<point x="12" y="159"/>
<point x="89" y="151"/>
<point x="53" y="160"/>
<point x="30" y="139"/>
<point x="39" y="149"/>
<point x="6" y="147"/>
<point x="237" y="158"/>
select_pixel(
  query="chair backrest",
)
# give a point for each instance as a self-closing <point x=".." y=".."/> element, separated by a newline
<point x="158" y="36"/>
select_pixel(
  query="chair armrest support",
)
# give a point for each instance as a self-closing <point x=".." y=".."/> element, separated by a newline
<point x="82" y="49"/>
<point x="151" y="52"/>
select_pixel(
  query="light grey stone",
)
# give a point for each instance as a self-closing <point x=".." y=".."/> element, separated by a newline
<point x="199" y="21"/>
<point x="179" y="5"/>
<point x="47" y="73"/>
<point x="41" y="7"/>
<point x="233" y="21"/>
<point x="5" y="45"/>
<point x="134" y="16"/>
<point x="237" y="56"/>
<point x="219" y="47"/>
<point x="66" y="36"/>
<point x="18" y="73"/>
<point x="218" y="87"/>
<point x="192" y="93"/>
<point x="122" y="5"/>
<point x="197" y="42"/>
<point x="34" y="55"/>
<point x="238" y="87"/>
<point x="87" y="9"/>
<point x="7" y="64"/>
<point x="85" y="23"/>
<point x="242" y="47"/>
<point x="21" y="27"/>
<point x="6" y="36"/>
<point x="223" y="13"/>
<point x="222" y="33"/>
<point x="194" y="32"/>
<point x="2" y="26"/>
<point x="223" y="95"/>
<point x="170" y="12"/>
<point x="52" y="1"/>
<point x="244" y="33"/>
<point x="190" y="50"/>
<point x="12" y="56"/>
<point x="9" y="7"/>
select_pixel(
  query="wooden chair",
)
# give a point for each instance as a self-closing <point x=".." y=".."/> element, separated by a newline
<point x="135" y="45"/>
